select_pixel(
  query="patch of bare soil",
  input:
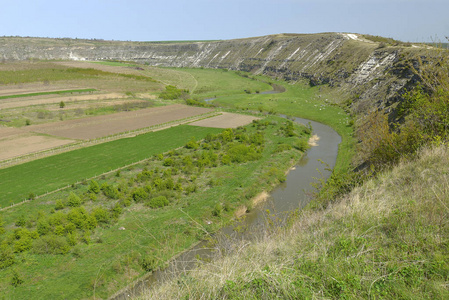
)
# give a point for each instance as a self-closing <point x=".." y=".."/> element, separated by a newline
<point x="9" y="131"/>
<point x="101" y="126"/>
<point x="54" y="99"/>
<point x="22" y="143"/>
<point x="97" y="104"/>
<point x="225" y="120"/>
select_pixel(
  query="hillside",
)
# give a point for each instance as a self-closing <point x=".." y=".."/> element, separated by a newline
<point x="387" y="239"/>
<point x="364" y="70"/>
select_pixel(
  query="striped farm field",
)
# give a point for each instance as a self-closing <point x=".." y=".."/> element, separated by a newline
<point x="54" y="172"/>
<point x="101" y="126"/>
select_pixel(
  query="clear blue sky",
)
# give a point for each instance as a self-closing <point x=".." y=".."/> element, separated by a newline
<point x="149" y="20"/>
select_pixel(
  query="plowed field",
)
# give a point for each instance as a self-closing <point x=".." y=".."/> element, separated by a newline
<point x="100" y="126"/>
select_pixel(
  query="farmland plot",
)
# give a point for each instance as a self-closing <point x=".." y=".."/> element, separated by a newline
<point x="55" y="99"/>
<point x="101" y="126"/>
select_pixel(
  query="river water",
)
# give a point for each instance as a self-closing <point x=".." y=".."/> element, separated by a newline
<point x="291" y="195"/>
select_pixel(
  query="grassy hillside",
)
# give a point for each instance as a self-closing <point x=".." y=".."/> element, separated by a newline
<point x="386" y="239"/>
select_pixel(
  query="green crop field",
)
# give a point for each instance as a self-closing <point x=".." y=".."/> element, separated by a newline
<point x="51" y="173"/>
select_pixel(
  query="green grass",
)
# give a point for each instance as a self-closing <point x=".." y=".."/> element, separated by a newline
<point x="211" y="83"/>
<point x="385" y="240"/>
<point x="48" y="93"/>
<point x="115" y="63"/>
<point x="301" y="100"/>
<point x="60" y="170"/>
<point x="162" y="233"/>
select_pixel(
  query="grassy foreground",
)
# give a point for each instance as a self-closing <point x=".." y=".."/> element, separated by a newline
<point x="387" y="239"/>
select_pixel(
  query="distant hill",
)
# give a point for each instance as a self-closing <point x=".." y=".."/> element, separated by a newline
<point x="367" y="70"/>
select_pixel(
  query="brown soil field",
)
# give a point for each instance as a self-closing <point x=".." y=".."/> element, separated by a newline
<point x="96" y="104"/>
<point x="17" y="143"/>
<point x="9" y="131"/>
<point x="225" y="120"/>
<point x="55" y="99"/>
<point x="101" y="126"/>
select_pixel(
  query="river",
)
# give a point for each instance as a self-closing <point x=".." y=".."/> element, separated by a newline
<point x="291" y="195"/>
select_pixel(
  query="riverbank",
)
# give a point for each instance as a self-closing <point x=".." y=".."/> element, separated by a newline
<point x="361" y="247"/>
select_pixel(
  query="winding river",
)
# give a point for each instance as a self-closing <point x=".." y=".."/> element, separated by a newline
<point x="291" y="195"/>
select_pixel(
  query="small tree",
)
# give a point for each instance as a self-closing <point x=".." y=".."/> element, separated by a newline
<point x="16" y="279"/>
<point x="61" y="104"/>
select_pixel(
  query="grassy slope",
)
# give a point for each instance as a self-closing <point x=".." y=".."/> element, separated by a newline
<point x="215" y="83"/>
<point x="51" y="173"/>
<point x="386" y="239"/>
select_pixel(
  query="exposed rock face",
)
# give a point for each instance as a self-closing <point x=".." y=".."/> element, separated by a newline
<point x="348" y="61"/>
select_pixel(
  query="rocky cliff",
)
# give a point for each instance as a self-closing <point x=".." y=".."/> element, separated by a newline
<point x="366" y="71"/>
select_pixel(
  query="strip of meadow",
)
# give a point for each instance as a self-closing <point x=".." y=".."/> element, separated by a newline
<point x="302" y="101"/>
<point x="69" y="244"/>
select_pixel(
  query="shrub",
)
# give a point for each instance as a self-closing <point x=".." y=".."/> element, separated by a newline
<point x="2" y="228"/>
<point x="192" y="144"/>
<point x="59" y="204"/>
<point x="16" y="279"/>
<point x="73" y="200"/>
<point x="78" y="216"/>
<point x="20" y="222"/>
<point x="239" y="153"/>
<point x="157" y="202"/>
<point x="282" y="148"/>
<point x="110" y="191"/>
<point x="139" y="194"/>
<point x="43" y="227"/>
<point x="94" y="187"/>
<point x="101" y="215"/>
<point x="169" y="161"/>
<point x="302" y="144"/>
<point x="116" y="210"/>
<point x="218" y="210"/>
<point x="171" y="93"/>
<point x="7" y="257"/>
<point x="51" y="244"/>
<point x="148" y="264"/>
